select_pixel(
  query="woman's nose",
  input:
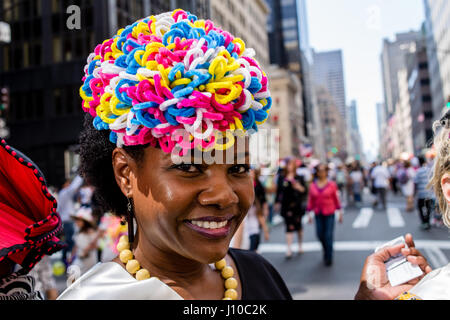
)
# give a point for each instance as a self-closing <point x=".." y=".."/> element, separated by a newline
<point x="220" y="193"/>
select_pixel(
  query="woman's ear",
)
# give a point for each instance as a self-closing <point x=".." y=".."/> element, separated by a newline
<point x="445" y="185"/>
<point x="122" y="166"/>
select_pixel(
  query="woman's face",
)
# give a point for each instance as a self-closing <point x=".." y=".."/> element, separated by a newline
<point x="292" y="166"/>
<point x="192" y="210"/>
<point x="322" y="171"/>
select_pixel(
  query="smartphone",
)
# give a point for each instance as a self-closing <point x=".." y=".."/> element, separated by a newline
<point x="398" y="269"/>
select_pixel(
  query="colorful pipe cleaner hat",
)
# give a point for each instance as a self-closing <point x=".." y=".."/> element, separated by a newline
<point x="174" y="72"/>
<point x="29" y="222"/>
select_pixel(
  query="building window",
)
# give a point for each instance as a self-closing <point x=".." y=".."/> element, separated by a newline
<point x="57" y="101"/>
<point x="6" y="58"/>
<point x="7" y="10"/>
<point x="37" y="54"/>
<point x="67" y="48"/>
<point x="55" y="6"/>
<point x="18" y="57"/>
<point x="425" y="82"/>
<point x="26" y="54"/>
<point x="426" y="98"/>
<point x="39" y="104"/>
<point x="423" y="65"/>
<point x="57" y="49"/>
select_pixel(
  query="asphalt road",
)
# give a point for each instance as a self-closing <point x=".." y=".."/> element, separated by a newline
<point x="361" y="232"/>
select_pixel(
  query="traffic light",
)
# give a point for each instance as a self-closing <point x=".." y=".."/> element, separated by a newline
<point x="4" y="103"/>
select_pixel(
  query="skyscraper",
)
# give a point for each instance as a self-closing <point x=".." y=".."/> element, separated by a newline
<point x="328" y="72"/>
<point x="392" y="61"/>
<point x="437" y="21"/>
<point x="287" y="28"/>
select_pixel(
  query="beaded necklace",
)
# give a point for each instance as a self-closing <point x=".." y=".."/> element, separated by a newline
<point x="134" y="268"/>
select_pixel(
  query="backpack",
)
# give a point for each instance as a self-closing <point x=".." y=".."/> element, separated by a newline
<point x="403" y="177"/>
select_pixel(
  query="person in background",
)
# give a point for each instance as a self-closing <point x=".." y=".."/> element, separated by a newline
<point x="341" y="179"/>
<point x="85" y="195"/>
<point x="66" y="208"/>
<point x="393" y="172"/>
<point x="357" y="178"/>
<point x="293" y="196"/>
<point x="45" y="282"/>
<point x="324" y="201"/>
<point x="380" y="175"/>
<point x="349" y="185"/>
<point x="406" y="179"/>
<point x="268" y="181"/>
<point x="255" y="221"/>
<point x="304" y="171"/>
<point x="425" y="198"/>
<point x="86" y="240"/>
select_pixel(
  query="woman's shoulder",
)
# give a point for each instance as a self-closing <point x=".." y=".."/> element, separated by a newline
<point x="260" y="280"/>
<point x="109" y="281"/>
<point x="331" y="185"/>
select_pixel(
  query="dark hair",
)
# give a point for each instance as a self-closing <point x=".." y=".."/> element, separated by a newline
<point x="86" y="226"/>
<point x="96" y="166"/>
<point x="421" y="160"/>
<point x="317" y="167"/>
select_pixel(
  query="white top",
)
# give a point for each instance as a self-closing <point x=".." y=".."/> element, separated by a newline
<point x="85" y="194"/>
<point x="435" y="285"/>
<point x="65" y="199"/>
<point x="82" y="242"/>
<point x="110" y="281"/>
<point x="357" y="176"/>
<point x="381" y="175"/>
<point x="251" y="224"/>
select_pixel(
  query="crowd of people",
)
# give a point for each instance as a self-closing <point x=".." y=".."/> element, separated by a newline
<point x="303" y="186"/>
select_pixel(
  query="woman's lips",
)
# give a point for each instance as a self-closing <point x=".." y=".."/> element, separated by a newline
<point x="210" y="227"/>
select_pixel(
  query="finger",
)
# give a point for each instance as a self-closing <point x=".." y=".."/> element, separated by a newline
<point x="409" y="240"/>
<point x="389" y="252"/>
<point x="421" y="262"/>
<point x="411" y="251"/>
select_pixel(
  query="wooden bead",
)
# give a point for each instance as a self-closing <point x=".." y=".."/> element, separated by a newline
<point x="227" y="272"/>
<point x="231" y="283"/>
<point x="125" y="255"/>
<point x="123" y="238"/>
<point x="142" y="274"/>
<point x="122" y="246"/>
<point x="220" y="264"/>
<point x="133" y="266"/>
<point x="231" y="293"/>
<point x="226" y="298"/>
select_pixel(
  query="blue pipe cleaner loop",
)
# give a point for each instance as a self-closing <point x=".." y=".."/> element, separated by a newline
<point x="146" y="119"/>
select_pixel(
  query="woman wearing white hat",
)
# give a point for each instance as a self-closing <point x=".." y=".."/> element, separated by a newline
<point x="84" y="252"/>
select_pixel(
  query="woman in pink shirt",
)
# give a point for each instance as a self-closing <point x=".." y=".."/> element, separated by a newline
<point x="323" y="200"/>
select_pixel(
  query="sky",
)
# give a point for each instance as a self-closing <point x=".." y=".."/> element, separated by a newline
<point x="358" y="28"/>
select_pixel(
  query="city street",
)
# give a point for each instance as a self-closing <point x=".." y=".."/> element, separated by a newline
<point x="361" y="232"/>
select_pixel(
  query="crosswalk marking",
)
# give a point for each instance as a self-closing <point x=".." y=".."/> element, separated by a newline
<point x="436" y="257"/>
<point x="395" y="218"/>
<point x="311" y="246"/>
<point x="363" y="218"/>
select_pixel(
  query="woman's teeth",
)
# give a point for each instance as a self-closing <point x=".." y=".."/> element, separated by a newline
<point x="209" y="224"/>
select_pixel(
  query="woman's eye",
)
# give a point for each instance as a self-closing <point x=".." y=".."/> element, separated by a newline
<point x="187" y="167"/>
<point x="240" y="169"/>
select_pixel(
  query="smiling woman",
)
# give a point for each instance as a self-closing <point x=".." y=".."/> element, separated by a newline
<point x="163" y="74"/>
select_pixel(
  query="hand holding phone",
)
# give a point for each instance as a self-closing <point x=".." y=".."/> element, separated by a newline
<point x="399" y="270"/>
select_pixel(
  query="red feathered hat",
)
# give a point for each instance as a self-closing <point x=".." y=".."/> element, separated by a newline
<point x="28" y="218"/>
